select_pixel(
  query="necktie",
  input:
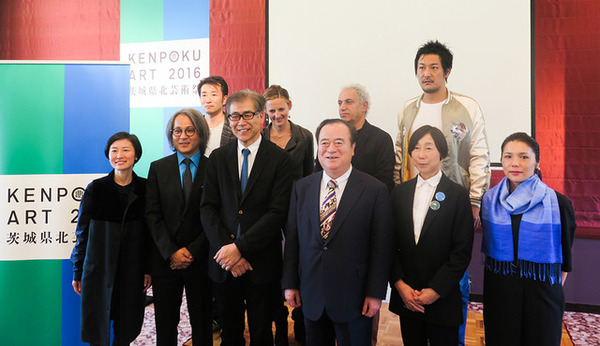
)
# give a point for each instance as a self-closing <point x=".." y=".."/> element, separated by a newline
<point x="328" y="209"/>
<point x="187" y="180"/>
<point x="244" y="177"/>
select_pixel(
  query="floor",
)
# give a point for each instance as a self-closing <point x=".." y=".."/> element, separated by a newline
<point x="578" y="329"/>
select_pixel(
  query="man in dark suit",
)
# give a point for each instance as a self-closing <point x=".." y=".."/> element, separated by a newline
<point x="174" y="191"/>
<point x="245" y="203"/>
<point x="434" y="236"/>
<point x="338" y="243"/>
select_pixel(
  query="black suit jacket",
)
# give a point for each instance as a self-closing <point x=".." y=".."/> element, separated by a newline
<point x="167" y="212"/>
<point x="441" y="256"/>
<point x="260" y="211"/>
<point x="354" y="261"/>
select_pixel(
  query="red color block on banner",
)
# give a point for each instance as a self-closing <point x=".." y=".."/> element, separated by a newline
<point x="59" y="30"/>
<point x="237" y="43"/>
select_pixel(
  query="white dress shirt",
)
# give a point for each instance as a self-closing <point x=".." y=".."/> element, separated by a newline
<point x="339" y="190"/>
<point x="422" y="201"/>
<point x="251" y="157"/>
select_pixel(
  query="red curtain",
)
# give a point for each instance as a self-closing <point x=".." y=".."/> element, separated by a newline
<point x="59" y="30"/>
<point x="237" y="43"/>
<point x="567" y="79"/>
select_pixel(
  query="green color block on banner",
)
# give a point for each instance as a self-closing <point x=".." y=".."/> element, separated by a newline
<point x="30" y="297"/>
<point x="148" y="125"/>
<point x="141" y="21"/>
<point x="31" y="119"/>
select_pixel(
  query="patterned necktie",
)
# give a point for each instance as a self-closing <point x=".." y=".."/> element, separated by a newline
<point x="328" y="209"/>
<point x="187" y="180"/>
<point x="244" y="177"/>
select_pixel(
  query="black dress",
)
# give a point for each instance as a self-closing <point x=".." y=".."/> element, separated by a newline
<point x="522" y="311"/>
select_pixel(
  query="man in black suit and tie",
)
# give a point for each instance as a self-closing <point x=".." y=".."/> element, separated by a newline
<point x="245" y="203"/>
<point x="174" y="191"/>
<point x="338" y="243"/>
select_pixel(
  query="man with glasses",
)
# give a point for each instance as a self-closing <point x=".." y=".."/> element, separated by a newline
<point x="174" y="192"/>
<point x="244" y="207"/>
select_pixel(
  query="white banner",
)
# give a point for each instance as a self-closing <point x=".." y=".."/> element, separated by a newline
<point x="39" y="214"/>
<point x="166" y="73"/>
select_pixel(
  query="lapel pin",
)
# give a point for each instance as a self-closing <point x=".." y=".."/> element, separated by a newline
<point x="440" y="196"/>
<point x="435" y="205"/>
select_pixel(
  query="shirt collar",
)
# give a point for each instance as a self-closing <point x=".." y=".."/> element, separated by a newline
<point x="433" y="181"/>
<point x="195" y="159"/>
<point x="253" y="147"/>
<point x="340" y="179"/>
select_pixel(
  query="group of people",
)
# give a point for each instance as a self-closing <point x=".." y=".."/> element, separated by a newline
<point x="242" y="216"/>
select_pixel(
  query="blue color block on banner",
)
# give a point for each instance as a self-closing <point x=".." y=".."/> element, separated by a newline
<point x="186" y="19"/>
<point x="96" y="107"/>
<point x="71" y="308"/>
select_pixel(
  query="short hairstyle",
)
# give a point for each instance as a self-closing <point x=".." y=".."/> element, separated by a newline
<point x="527" y="139"/>
<point x="239" y="96"/>
<point x="363" y="94"/>
<point x="439" y="49"/>
<point x="199" y="123"/>
<point x="215" y="80"/>
<point x="438" y="138"/>
<point x="137" y="146"/>
<point x="276" y="91"/>
<point x="326" y="122"/>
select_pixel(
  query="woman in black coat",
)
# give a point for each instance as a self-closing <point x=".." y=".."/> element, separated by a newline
<point x="109" y="258"/>
<point x="433" y="237"/>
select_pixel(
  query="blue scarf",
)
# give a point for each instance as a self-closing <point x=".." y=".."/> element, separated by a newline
<point x="539" y="245"/>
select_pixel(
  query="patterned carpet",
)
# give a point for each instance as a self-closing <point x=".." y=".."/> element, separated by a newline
<point x="583" y="328"/>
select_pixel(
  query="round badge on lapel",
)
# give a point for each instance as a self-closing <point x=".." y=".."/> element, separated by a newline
<point x="435" y="205"/>
<point x="440" y="196"/>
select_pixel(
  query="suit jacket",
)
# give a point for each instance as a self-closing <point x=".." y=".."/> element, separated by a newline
<point x="442" y="254"/>
<point x="260" y="211"/>
<point x="167" y="212"/>
<point x="353" y="263"/>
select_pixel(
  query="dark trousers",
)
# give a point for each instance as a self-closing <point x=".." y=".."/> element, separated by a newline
<point x="168" y="288"/>
<point x="416" y="331"/>
<point x="234" y="297"/>
<point x="519" y="311"/>
<point x="324" y="331"/>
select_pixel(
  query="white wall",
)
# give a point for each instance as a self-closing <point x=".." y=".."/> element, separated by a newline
<point x="316" y="47"/>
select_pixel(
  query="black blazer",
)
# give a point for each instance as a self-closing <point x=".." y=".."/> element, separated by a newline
<point x="354" y="261"/>
<point x="443" y="252"/>
<point x="260" y="211"/>
<point x="167" y="212"/>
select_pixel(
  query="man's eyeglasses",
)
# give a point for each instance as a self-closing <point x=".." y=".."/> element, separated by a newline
<point x="246" y="115"/>
<point x="190" y="131"/>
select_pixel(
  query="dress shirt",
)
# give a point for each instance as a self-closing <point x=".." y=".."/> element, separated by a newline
<point x="193" y="165"/>
<point x="253" y="151"/>
<point x="423" y="196"/>
<point x="339" y="190"/>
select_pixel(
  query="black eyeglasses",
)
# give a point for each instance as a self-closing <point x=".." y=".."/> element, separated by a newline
<point x="190" y="131"/>
<point x="246" y="115"/>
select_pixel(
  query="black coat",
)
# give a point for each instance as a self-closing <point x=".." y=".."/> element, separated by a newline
<point x="110" y="257"/>
<point x="441" y="256"/>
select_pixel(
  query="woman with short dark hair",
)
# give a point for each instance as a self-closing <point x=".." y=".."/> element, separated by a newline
<point x="110" y="263"/>
<point x="433" y="237"/>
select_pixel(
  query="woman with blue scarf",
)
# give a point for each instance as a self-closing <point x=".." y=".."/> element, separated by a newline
<point x="528" y="231"/>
